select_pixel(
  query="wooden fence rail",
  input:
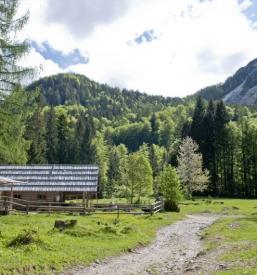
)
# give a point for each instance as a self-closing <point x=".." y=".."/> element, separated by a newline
<point x="7" y="204"/>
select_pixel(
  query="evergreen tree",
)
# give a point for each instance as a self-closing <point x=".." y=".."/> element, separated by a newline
<point x="11" y="50"/>
<point x="36" y="133"/>
<point x="13" y="145"/>
<point x="209" y="143"/>
<point x="86" y="153"/>
<point x="51" y="136"/>
<point x="197" y="122"/>
<point x="154" y="129"/>
<point x="63" y="151"/>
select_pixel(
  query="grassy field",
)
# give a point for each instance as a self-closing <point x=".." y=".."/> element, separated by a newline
<point x="30" y="245"/>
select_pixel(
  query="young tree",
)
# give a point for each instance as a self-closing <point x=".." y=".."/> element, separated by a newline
<point x="169" y="185"/>
<point x="117" y="160"/>
<point x="100" y="157"/>
<point x="190" y="168"/>
<point x="138" y="176"/>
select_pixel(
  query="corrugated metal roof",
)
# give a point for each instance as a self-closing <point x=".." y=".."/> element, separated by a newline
<point x="72" y="178"/>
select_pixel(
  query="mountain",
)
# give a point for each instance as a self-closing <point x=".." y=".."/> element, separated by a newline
<point x="99" y="99"/>
<point x="241" y="88"/>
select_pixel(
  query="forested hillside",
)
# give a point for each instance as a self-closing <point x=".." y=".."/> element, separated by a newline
<point x="119" y="141"/>
<point x="99" y="99"/>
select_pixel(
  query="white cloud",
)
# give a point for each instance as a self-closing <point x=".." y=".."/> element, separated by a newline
<point x="171" y="65"/>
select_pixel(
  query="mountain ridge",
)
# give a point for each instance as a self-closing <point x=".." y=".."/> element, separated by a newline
<point x="70" y="88"/>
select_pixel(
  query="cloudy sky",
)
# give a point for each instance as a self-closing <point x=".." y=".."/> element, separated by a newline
<point x="168" y="47"/>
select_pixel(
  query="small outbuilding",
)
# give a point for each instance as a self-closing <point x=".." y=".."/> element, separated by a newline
<point x="50" y="183"/>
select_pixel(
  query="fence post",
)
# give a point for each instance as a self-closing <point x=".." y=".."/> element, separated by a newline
<point x="27" y="208"/>
<point x="49" y="208"/>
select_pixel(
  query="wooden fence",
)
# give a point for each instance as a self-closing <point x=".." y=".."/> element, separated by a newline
<point x="8" y="204"/>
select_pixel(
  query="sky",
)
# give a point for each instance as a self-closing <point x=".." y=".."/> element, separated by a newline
<point x="166" y="47"/>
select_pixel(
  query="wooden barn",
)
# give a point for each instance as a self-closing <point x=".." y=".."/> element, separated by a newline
<point x="50" y="183"/>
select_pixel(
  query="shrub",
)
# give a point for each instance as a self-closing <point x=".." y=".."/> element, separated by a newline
<point x="171" y="206"/>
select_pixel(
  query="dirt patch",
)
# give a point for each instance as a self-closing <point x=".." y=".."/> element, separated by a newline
<point x="173" y="252"/>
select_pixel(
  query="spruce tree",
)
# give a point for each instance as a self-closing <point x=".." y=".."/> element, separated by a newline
<point x="63" y="151"/>
<point x="11" y="50"/>
<point x="51" y="136"/>
<point x="36" y="134"/>
<point x="209" y="156"/>
<point x="197" y="122"/>
<point x="154" y="129"/>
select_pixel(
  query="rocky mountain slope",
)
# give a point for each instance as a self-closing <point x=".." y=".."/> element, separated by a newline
<point x="241" y="88"/>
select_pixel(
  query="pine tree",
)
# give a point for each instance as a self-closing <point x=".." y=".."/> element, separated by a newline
<point x="11" y="50"/>
<point x="63" y="151"/>
<point x="86" y="153"/>
<point x="13" y="145"/>
<point x="154" y="129"/>
<point x="197" y="122"/>
<point x="51" y="136"/>
<point x="36" y="133"/>
<point x="221" y="121"/>
<point x="209" y="149"/>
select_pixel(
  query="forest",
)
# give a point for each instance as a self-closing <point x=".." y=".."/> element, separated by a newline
<point x="135" y="138"/>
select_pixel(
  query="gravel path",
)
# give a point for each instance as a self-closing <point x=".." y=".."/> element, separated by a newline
<point x="172" y="251"/>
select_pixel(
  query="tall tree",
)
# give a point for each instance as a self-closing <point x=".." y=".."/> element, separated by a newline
<point x="36" y="133"/>
<point x="13" y="145"/>
<point x="101" y="158"/>
<point x="11" y="50"/>
<point x="209" y="143"/>
<point x="51" y="136"/>
<point x="154" y="129"/>
<point x="197" y="122"/>
<point x="63" y="150"/>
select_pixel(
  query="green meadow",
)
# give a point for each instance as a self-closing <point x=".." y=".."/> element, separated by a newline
<point x="29" y="244"/>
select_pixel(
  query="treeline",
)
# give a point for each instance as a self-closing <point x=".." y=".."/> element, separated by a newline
<point x="227" y="139"/>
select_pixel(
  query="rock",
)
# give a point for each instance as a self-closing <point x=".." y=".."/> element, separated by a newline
<point x="61" y="225"/>
<point x="222" y="266"/>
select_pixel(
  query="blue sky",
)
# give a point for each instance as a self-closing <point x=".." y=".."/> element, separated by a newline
<point x="169" y="47"/>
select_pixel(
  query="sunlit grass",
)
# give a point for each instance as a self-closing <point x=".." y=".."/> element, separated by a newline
<point x="98" y="236"/>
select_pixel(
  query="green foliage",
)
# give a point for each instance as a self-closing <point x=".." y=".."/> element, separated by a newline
<point x="100" y="153"/>
<point x="137" y="176"/>
<point x="11" y="50"/>
<point x="13" y="113"/>
<point x="169" y="186"/>
<point x="100" y="100"/>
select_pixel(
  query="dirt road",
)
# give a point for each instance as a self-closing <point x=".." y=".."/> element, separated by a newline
<point x="172" y="251"/>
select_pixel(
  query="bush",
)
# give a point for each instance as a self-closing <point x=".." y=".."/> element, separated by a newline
<point x="169" y="185"/>
<point x="171" y="206"/>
